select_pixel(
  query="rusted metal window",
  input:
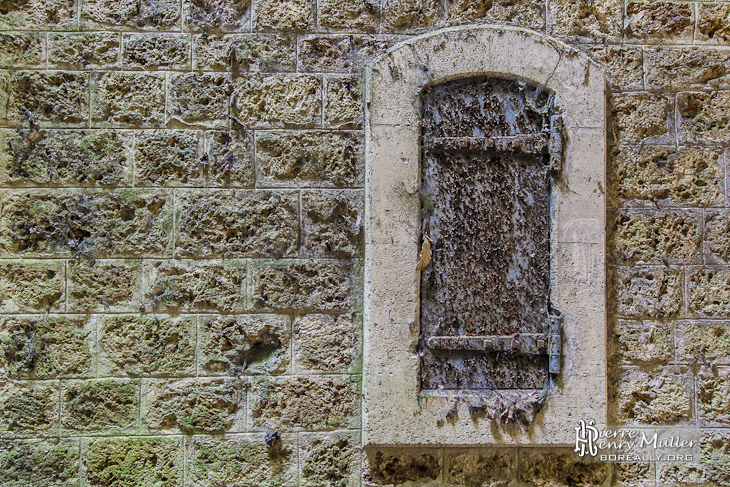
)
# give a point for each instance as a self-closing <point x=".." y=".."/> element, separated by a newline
<point x="490" y="148"/>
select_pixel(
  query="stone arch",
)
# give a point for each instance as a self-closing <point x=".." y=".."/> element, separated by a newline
<point x="396" y="410"/>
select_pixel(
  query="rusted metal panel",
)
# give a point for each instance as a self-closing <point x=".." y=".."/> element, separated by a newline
<point x="487" y="160"/>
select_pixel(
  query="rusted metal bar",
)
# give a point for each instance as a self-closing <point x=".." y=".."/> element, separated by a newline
<point x="526" y="344"/>
<point x="536" y="144"/>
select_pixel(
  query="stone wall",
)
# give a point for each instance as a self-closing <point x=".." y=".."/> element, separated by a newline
<point x="181" y="238"/>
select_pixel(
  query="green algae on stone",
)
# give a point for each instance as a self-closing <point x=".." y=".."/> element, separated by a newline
<point x="310" y="158"/>
<point x="133" y="462"/>
<point x="311" y="403"/>
<point x="47" y="463"/>
<point x="103" y="285"/>
<point x="146" y="345"/>
<point x="240" y="223"/>
<point x="108" y="406"/>
<point x="38" y="14"/>
<point x="193" y="405"/>
<point x="185" y="286"/>
<point x="242" y="461"/>
<point x="305" y="285"/>
<point x="28" y="408"/>
<point x="331" y="459"/>
<point x="32" y="285"/>
<point x="71" y="158"/>
<point x="46" y="347"/>
<point x="244" y="344"/>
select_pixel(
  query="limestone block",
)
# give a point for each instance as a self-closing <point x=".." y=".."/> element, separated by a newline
<point x="32" y="286"/>
<point x="305" y="403"/>
<point x="21" y="49"/>
<point x="244" y="344"/>
<point x="103" y="406"/>
<point x="47" y="347"/>
<point x="284" y="15"/>
<point x="586" y="20"/>
<point x="340" y="53"/>
<point x="332" y="223"/>
<point x="624" y="65"/>
<point x="128" y="99"/>
<point x="134" y="461"/>
<point x="130" y="14"/>
<point x="343" y="103"/>
<point x="66" y="157"/>
<point x="668" y="68"/>
<point x="560" y="469"/>
<point x="709" y="292"/>
<point x="240" y="223"/>
<point x="713" y="23"/>
<point x="642" y="117"/>
<point x="642" y="342"/>
<point x="104" y="286"/>
<point x="409" y="15"/>
<point x="310" y="158"/>
<point x="39" y="14"/>
<point x="216" y="16"/>
<point x="495" y="468"/>
<point x="85" y="50"/>
<point x="329" y="459"/>
<point x="659" y="21"/>
<point x="395" y="466"/>
<point x="707" y="342"/>
<point x="713" y="399"/>
<point x="278" y="101"/>
<point x="653" y="292"/>
<point x="168" y="158"/>
<point x="156" y="51"/>
<point x="349" y="15"/>
<point x="228" y="158"/>
<point x="655" y="237"/>
<point x="240" y="52"/>
<point x="193" y="406"/>
<point x="200" y="100"/>
<point x="40" y="462"/>
<point x="704" y="117"/>
<point x="662" y="397"/>
<point x="144" y="345"/>
<point x="326" y="343"/>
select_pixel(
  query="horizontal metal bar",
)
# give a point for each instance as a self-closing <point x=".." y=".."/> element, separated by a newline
<point x="537" y="144"/>
<point x="526" y="344"/>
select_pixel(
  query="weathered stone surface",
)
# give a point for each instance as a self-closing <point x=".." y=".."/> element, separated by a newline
<point x="717" y="235"/>
<point x="716" y="456"/>
<point x="395" y="466"/>
<point x="189" y="286"/>
<point x="32" y="285"/>
<point x="713" y="399"/>
<point x="530" y="14"/>
<point x="311" y="403"/>
<point x="311" y="158"/>
<point x="193" y="406"/>
<point x="478" y="468"/>
<point x="340" y="53"/>
<point x="240" y="52"/>
<point x="83" y="50"/>
<point x="642" y="342"/>
<point x="703" y="343"/>
<point x="332" y="223"/>
<point x="199" y="99"/>
<point x="168" y="158"/>
<point x="47" y="347"/>
<point x="66" y="157"/>
<point x="409" y="15"/>
<point x="713" y="23"/>
<point x="244" y="344"/>
<point x="343" y="103"/>
<point x="331" y="459"/>
<point x="38" y="14"/>
<point x="586" y="20"/>
<point x="46" y="462"/>
<point x="130" y="14"/>
<point x="704" y="117"/>
<point x="214" y="16"/>
<point x="657" y="237"/>
<point x="228" y="158"/>
<point x="28" y="408"/>
<point x="624" y="65"/>
<point x="107" y="406"/>
<point x="264" y="461"/>
<point x="129" y="462"/>
<point x="659" y="20"/>
<point x="284" y="15"/>
<point x="683" y="475"/>
<point x="21" y="49"/>
<point x="306" y="285"/>
<point x="104" y="286"/>
<point x="689" y="175"/>
<point x="326" y="343"/>
<point x="146" y="345"/>
<point x="687" y="68"/>
<point x="128" y="99"/>
<point x="560" y="469"/>
<point x="44" y="98"/>
<point x="278" y="101"/>
<point x="634" y="475"/>
<point x="643" y="117"/>
<point x="239" y="223"/>
<point x="156" y="51"/>
<point x="643" y="398"/>
<point x="649" y="292"/>
<point x="355" y="16"/>
<point x="709" y="292"/>
<point x="124" y="223"/>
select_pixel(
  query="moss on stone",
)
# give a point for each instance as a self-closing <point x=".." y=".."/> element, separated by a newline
<point x="100" y="406"/>
<point x="132" y="462"/>
<point x="46" y="463"/>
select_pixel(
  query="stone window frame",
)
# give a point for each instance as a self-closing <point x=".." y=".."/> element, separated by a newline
<point x="395" y="411"/>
